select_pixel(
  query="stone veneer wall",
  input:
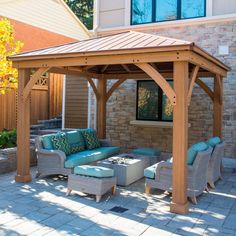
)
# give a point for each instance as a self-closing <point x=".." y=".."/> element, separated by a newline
<point x="121" y="106"/>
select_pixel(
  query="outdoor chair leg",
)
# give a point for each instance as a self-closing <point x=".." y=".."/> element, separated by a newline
<point x="194" y="200"/>
<point x="207" y="189"/>
<point x="212" y="185"/>
<point x="37" y="175"/>
<point x="147" y="190"/>
<point x="98" y="198"/>
<point x="113" y="190"/>
<point x="68" y="192"/>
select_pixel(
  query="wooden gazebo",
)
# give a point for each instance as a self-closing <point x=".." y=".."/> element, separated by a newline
<point x="128" y="55"/>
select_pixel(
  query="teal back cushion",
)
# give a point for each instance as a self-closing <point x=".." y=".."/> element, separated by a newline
<point x="90" y="138"/>
<point x="59" y="142"/>
<point x="213" y="141"/>
<point x="47" y="141"/>
<point x="194" y="149"/>
<point x="76" y="141"/>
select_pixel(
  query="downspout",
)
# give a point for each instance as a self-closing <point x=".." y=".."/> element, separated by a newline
<point x="63" y="102"/>
<point x="89" y="106"/>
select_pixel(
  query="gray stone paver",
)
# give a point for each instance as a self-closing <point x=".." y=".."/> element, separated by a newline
<point x="41" y="208"/>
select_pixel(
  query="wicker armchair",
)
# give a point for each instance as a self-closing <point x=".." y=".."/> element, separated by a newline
<point x="215" y="164"/>
<point x="197" y="176"/>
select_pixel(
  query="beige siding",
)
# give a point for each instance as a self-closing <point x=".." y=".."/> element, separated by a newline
<point x="111" y="13"/>
<point x="76" y="103"/>
<point x="221" y="7"/>
<point x="117" y="13"/>
<point x="51" y="15"/>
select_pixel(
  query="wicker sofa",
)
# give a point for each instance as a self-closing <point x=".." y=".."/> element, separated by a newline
<point x="52" y="161"/>
<point x="160" y="175"/>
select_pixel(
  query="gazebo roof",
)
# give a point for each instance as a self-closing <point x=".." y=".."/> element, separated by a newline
<point x="122" y="41"/>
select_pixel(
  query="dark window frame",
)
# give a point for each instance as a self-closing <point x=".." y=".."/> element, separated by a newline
<point x="160" y="102"/>
<point x="154" y="13"/>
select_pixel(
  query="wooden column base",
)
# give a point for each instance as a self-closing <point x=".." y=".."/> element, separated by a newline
<point x="23" y="178"/>
<point x="179" y="208"/>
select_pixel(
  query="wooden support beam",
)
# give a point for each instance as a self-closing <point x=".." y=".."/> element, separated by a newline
<point x="218" y="106"/>
<point x="158" y="78"/>
<point x="193" y="77"/>
<point x="34" y="78"/>
<point x="206" y="64"/>
<point x="114" y="87"/>
<point x="23" y="129"/>
<point x="101" y="108"/>
<point x="179" y="202"/>
<point x="95" y="90"/>
<point x="207" y="90"/>
<point x="104" y="59"/>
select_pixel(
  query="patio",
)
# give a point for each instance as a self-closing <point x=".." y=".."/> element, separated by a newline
<point x="41" y="208"/>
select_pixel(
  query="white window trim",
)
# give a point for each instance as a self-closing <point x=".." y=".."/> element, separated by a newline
<point x="209" y="8"/>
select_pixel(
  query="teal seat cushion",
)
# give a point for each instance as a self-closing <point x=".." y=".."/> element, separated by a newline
<point x="194" y="149"/>
<point x="88" y="156"/>
<point x="76" y="141"/>
<point x="90" y="138"/>
<point x="213" y="141"/>
<point x="150" y="172"/>
<point x="59" y="142"/>
<point x="47" y="141"/>
<point x="94" y="171"/>
<point x="147" y="151"/>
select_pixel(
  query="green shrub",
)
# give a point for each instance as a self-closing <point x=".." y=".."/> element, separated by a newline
<point x="8" y="139"/>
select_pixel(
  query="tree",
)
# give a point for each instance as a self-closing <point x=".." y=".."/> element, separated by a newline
<point x="8" y="47"/>
<point x="83" y="9"/>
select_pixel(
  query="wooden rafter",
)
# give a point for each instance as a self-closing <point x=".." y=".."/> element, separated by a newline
<point x="34" y="78"/>
<point x="193" y="77"/>
<point x="114" y="87"/>
<point x="67" y="71"/>
<point x="125" y="67"/>
<point x="93" y="86"/>
<point x="158" y="78"/>
<point x="205" y="88"/>
<point x="104" y="68"/>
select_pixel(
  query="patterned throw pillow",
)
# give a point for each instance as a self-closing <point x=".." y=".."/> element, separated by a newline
<point x="76" y="141"/>
<point x="91" y="139"/>
<point x="59" y="142"/>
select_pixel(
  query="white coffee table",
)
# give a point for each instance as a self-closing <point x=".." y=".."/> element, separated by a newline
<point x="128" y="168"/>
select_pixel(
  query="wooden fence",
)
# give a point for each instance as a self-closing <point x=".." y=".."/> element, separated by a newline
<point x="46" y="102"/>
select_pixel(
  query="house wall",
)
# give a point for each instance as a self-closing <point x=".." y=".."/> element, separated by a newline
<point x="121" y="107"/>
<point x="76" y="102"/>
<point x="51" y="15"/>
<point x="111" y="14"/>
<point x="36" y="38"/>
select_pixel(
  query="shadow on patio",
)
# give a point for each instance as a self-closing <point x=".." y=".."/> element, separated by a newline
<point x="41" y="208"/>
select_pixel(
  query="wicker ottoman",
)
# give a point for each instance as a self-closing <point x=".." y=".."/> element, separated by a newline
<point x="92" y="180"/>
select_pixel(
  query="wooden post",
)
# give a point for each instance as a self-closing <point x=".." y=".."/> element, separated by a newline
<point x="101" y="108"/>
<point x="218" y="106"/>
<point x="179" y="202"/>
<point x="23" y="129"/>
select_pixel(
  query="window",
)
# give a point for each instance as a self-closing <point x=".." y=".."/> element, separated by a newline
<point x="147" y="11"/>
<point x="152" y="103"/>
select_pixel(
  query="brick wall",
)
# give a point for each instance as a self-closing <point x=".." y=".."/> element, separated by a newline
<point x="121" y="106"/>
